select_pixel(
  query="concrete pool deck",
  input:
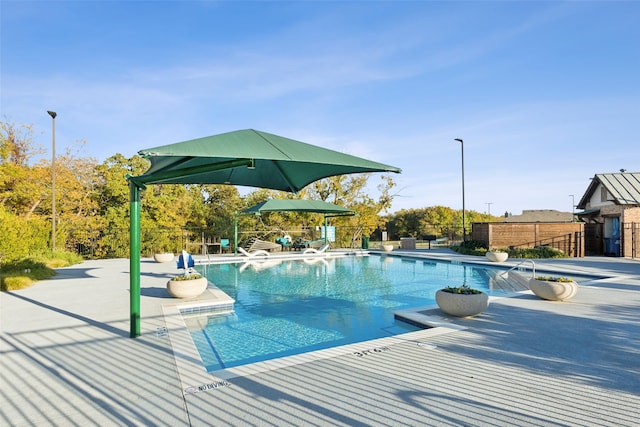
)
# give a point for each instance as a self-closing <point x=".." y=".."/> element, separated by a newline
<point x="67" y="359"/>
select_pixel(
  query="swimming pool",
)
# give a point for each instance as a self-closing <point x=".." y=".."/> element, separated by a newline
<point x="290" y="307"/>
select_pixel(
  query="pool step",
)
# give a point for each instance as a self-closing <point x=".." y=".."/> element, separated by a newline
<point x="214" y="301"/>
<point x="512" y="281"/>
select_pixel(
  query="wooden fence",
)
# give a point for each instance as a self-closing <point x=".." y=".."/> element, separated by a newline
<point x="567" y="237"/>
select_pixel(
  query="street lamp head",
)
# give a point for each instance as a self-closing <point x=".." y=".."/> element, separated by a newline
<point x="458" y="139"/>
<point x="53" y="114"/>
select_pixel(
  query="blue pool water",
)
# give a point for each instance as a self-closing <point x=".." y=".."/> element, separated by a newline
<point x="291" y="307"/>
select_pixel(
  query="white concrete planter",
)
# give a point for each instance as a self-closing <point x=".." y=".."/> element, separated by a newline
<point x="163" y="257"/>
<point x="387" y="248"/>
<point x="462" y="305"/>
<point x="187" y="288"/>
<point x="496" y="256"/>
<point x="553" y="291"/>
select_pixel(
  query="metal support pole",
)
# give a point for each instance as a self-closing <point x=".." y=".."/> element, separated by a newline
<point x="134" y="259"/>
<point x="235" y="233"/>
<point x="573" y="208"/>
<point x="464" y="224"/>
<point x="326" y="231"/>
<point x="53" y="115"/>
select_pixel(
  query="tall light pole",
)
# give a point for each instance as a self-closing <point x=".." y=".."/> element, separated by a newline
<point x="464" y="226"/>
<point x="573" y="207"/>
<point x="53" y="115"/>
<point x="489" y="207"/>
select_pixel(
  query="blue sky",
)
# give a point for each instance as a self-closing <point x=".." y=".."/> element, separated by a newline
<point x="545" y="94"/>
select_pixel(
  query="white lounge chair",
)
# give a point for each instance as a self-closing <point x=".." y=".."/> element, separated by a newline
<point x="257" y="253"/>
<point x="257" y="244"/>
<point x="320" y="250"/>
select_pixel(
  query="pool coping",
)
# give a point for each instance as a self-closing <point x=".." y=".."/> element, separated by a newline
<point x="194" y="377"/>
<point x="77" y="361"/>
<point x="191" y="370"/>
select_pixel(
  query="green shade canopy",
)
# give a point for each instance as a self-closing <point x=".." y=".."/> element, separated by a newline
<point x="245" y="157"/>
<point x="295" y="205"/>
<point x="250" y="158"/>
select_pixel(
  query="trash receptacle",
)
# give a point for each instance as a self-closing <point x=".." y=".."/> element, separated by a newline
<point x="365" y="242"/>
<point x="612" y="246"/>
<point x="407" y="243"/>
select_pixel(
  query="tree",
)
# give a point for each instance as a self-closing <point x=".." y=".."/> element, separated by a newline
<point x="22" y="187"/>
<point x="350" y="191"/>
<point x="221" y="202"/>
<point x="16" y="144"/>
<point x="92" y="203"/>
<point x="436" y="220"/>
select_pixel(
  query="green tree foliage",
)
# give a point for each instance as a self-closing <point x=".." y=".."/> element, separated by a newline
<point x="92" y="204"/>
<point x="221" y="202"/>
<point x="22" y="187"/>
<point x="270" y="225"/>
<point x="22" y="235"/>
<point x="350" y="191"/>
<point x="441" y="221"/>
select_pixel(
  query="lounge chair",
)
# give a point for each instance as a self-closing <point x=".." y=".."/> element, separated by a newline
<point x="299" y="244"/>
<point x="320" y="250"/>
<point x="285" y="242"/>
<point x="252" y="254"/>
<point x="316" y="244"/>
<point x="258" y="244"/>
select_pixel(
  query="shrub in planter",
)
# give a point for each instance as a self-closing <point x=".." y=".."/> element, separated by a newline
<point x="163" y="256"/>
<point x="497" y="255"/>
<point x="553" y="288"/>
<point x="188" y="285"/>
<point x="462" y="301"/>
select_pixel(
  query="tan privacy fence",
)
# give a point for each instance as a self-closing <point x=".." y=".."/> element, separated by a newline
<point x="567" y="237"/>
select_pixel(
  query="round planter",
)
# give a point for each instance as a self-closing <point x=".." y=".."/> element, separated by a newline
<point x="497" y="256"/>
<point x="163" y="257"/>
<point x="387" y="248"/>
<point x="461" y="305"/>
<point x="553" y="291"/>
<point x="187" y="288"/>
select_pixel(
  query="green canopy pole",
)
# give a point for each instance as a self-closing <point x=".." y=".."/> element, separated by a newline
<point x="134" y="259"/>
<point x="325" y="230"/>
<point x="235" y="233"/>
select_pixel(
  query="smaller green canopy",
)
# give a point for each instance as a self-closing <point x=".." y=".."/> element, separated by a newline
<point x="296" y="205"/>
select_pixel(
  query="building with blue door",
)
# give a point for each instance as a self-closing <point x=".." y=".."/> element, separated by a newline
<point x="611" y="212"/>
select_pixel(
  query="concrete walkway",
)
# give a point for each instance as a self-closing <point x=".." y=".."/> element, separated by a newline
<point x="67" y="359"/>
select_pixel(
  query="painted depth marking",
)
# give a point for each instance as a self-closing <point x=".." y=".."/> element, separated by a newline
<point x="205" y="387"/>
<point x="372" y="351"/>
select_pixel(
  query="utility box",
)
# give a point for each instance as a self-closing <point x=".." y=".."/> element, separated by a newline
<point x="365" y="242"/>
<point x="407" y="243"/>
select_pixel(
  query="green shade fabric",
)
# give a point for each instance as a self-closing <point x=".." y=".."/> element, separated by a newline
<point x="244" y="157"/>
<point x="295" y="205"/>
<point x="250" y="158"/>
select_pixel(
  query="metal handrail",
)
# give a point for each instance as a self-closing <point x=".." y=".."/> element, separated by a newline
<point x="533" y="269"/>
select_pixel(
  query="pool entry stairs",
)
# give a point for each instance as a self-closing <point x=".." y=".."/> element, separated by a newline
<point x="510" y="281"/>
